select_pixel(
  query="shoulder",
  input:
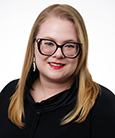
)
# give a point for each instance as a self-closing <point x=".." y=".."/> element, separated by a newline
<point x="103" y="115"/>
<point x="105" y="100"/>
<point x="106" y="93"/>
<point x="8" y="90"/>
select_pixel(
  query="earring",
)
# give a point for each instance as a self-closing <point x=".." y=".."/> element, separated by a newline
<point x="34" y="64"/>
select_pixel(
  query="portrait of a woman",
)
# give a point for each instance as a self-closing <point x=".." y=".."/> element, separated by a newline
<point x="56" y="96"/>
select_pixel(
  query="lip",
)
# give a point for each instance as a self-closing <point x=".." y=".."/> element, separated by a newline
<point x="56" y="65"/>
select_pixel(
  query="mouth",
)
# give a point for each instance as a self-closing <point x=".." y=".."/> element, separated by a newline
<point x="55" y="65"/>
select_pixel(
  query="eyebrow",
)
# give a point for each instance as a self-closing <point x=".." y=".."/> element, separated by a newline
<point x="68" y="40"/>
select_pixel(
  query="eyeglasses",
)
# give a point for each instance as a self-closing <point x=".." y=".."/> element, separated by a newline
<point x="48" y="47"/>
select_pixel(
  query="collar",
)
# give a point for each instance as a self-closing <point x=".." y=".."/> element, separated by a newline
<point x="61" y="99"/>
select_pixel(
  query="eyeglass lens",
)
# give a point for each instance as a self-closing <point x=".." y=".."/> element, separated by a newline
<point x="47" y="47"/>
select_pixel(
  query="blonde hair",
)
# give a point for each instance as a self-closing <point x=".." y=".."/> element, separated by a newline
<point x="88" y="89"/>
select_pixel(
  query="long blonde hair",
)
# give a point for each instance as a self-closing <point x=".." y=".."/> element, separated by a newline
<point x="88" y="89"/>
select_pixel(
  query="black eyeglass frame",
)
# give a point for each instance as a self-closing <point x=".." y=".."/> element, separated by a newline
<point x="58" y="46"/>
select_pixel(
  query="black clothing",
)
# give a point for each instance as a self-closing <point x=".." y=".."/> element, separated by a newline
<point x="42" y="120"/>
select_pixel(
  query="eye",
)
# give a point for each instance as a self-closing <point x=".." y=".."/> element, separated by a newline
<point x="69" y="46"/>
<point x="49" y="43"/>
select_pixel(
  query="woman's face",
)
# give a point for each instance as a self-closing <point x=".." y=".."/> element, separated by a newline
<point x="56" y="68"/>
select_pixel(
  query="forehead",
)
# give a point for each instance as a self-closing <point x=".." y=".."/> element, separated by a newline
<point x="57" y="28"/>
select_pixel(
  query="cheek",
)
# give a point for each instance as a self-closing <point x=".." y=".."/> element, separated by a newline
<point x="40" y="59"/>
<point x="74" y="64"/>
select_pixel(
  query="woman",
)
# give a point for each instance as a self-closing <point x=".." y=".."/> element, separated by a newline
<point x="56" y="96"/>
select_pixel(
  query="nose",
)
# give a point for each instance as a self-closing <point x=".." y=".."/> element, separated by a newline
<point x="58" y="53"/>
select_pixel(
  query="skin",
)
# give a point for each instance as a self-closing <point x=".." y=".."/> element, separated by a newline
<point x="53" y="80"/>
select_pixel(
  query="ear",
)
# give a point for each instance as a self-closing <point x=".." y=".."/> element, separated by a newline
<point x="34" y="49"/>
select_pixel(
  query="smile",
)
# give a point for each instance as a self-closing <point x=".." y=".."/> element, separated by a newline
<point x="55" y="65"/>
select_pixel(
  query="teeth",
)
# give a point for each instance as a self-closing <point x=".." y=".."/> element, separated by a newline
<point x="56" y="64"/>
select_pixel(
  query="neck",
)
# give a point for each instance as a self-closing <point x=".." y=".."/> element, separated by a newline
<point x="44" y="89"/>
